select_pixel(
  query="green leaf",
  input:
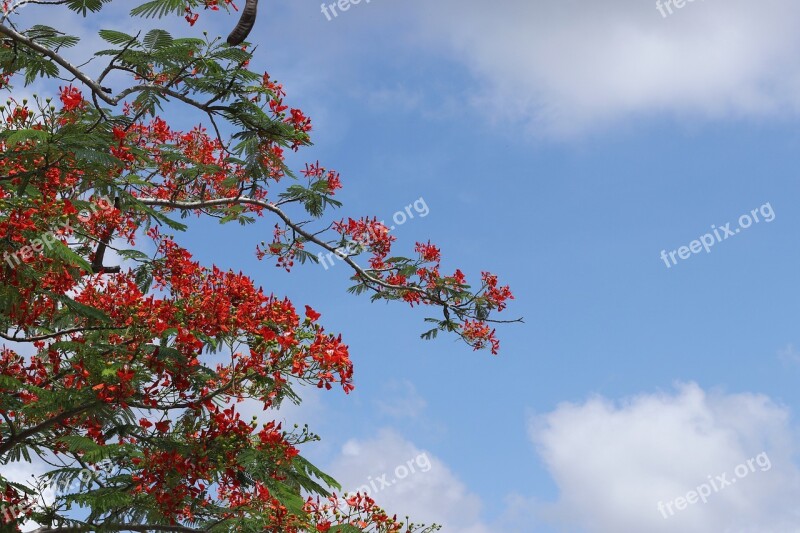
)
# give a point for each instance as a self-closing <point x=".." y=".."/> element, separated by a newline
<point x="39" y="66"/>
<point x="159" y="8"/>
<point x="148" y="100"/>
<point x="26" y="135"/>
<point x="134" y="255"/>
<point x="304" y="467"/>
<point x="144" y="278"/>
<point x="79" y="443"/>
<point x="61" y="251"/>
<point x="289" y="498"/>
<point x="156" y="39"/>
<point x="346" y="528"/>
<point x="22" y="488"/>
<point x="83" y="6"/>
<point x="116" y="37"/>
<point x="50" y="37"/>
<point x="7" y="382"/>
<point x="430" y="334"/>
<point x="357" y="289"/>
<point x="96" y="157"/>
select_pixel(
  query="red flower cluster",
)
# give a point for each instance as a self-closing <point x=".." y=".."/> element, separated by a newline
<point x="191" y="17"/>
<point x="316" y="173"/>
<point x="357" y="510"/>
<point x="71" y="98"/>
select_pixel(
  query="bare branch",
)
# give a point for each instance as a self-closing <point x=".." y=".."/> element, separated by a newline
<point x="56" y="334"/>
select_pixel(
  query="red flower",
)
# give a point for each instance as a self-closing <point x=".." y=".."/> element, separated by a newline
<point x="311" y="314"/>
<point x="163" y="426"/>
<point x="428" y="252"/>
<point x="119" y="133"/>
<point x="125" y="375"/>
<point x="71" y="98"/>
<point x="334" y="181"/>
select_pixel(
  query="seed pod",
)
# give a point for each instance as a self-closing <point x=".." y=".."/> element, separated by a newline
<point x="245" y="25"/>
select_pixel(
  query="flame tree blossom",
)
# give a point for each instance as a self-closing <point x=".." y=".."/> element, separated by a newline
<point x="142" y="366"/>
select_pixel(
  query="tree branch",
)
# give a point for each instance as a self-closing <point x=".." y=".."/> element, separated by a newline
<point x="22" y="435"/>
<point x="244" y="200"/>
<point x="36" y="47"/>
<point x="310" y="237"/>
<point x="54" y="335"/>
<point x="96" y="88"/>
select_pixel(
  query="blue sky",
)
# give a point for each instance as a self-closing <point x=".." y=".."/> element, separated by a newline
<point x="563" y="146"/>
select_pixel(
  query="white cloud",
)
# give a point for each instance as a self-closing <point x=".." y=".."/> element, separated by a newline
<point x="24" y="473"/>
<point x="566" y="66"/>
<point x="400" y="399"/>
<point x="789" y="355"/>
<point x="421" y="485"/>
<point x="399" y="96"/>
<point x="614" y="462"/>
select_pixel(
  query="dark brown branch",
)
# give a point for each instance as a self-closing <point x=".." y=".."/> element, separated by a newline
<point x="97" y="263"/>
<point x="245" y="25"/>
<point x="54" y="335"/>
<point x="22" y="435"/>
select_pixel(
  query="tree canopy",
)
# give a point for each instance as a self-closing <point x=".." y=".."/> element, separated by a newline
<point x="125" y="378"/>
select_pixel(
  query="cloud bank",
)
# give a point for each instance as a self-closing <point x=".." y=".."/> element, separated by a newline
<point x="614" y="462"/>
<point x="566" y="66"/>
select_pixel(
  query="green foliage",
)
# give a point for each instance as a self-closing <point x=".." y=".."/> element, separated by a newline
<point x="85" y="6"/>
<point x="159" y="8"/>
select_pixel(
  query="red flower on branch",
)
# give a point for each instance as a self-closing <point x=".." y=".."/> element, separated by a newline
<point x="71" y="98"/>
